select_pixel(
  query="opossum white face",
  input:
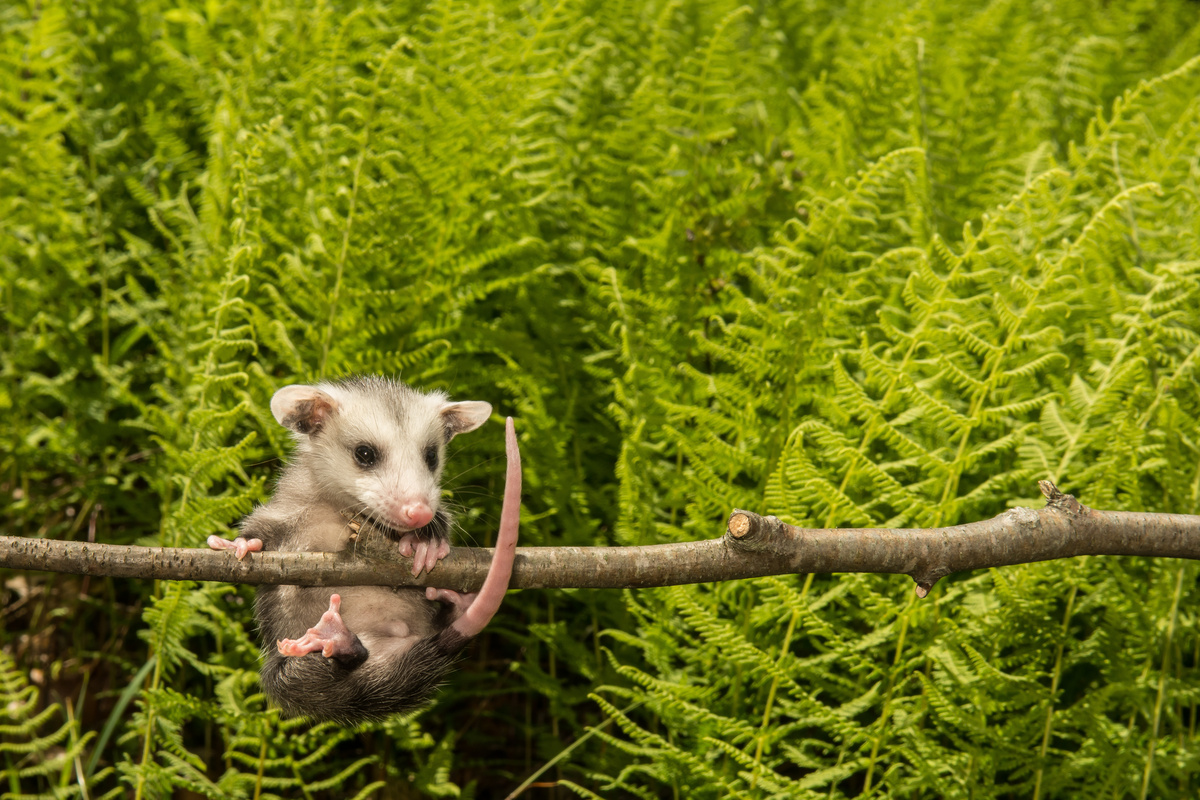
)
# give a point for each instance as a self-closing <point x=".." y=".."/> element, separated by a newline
<point x="374" y="446"/>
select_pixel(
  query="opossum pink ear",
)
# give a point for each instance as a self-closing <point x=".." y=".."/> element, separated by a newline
<point x="465" y="416"/>
<point x="304" y="409"/>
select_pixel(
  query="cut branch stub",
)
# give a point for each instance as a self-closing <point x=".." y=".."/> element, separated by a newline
<point x="754" y="533"/>
<point x="739" y="524"/>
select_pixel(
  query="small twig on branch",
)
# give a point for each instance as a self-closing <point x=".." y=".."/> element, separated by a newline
<point x="753" y="546"/>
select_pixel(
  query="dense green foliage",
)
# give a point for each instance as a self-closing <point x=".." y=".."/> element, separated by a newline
<point x="847" y="263"/>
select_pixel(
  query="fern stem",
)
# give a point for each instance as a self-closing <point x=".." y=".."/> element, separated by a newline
<point x="147" y="745"/>
<point x="1133" y="225"/>
<point x="1191" y="731"/>
<point x="783" y="652"/>
<point x="102" y="256"/>
<point x="993" y="373"/>
<point x="210" y="366"/>
<point x="566" y="751"/>
<point x="75" y="761"/>
<point x="552" y="670"/>
<point x="736" y="702"/>
<point x="342" y="255"/>
<point x="1116" y="769"/>
<point x="303" y="784"/>
<point x="903" y="369"/>
<point x="262" y="763"/>
<point x="951" y="486"/>
<point x="1162" y="681"/>
<point x="887" y="697"/>
<point x="141" y="781"/>
<point x="1054" y="680"/>
<point x="926" y="138"/>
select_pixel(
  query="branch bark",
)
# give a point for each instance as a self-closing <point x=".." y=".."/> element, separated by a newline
<point x="753" y="546"/>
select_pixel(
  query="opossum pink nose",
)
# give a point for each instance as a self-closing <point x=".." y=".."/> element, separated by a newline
<point x="416" y="515"/>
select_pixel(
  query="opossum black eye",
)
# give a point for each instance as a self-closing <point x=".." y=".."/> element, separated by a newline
<point x="366" y="455"/>
<point x="431" y="457"/>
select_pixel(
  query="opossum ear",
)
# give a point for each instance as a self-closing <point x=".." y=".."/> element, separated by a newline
<point x="304" y="409"/>
<point x="465" y="416"/>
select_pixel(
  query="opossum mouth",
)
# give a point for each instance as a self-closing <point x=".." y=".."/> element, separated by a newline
<point x="438" y="526"/>
<point x="387" y="527"/>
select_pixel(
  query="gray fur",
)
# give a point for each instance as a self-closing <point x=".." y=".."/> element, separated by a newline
<point x="407" y="639"/>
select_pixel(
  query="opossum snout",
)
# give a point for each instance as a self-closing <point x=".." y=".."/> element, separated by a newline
<point x="416" y="515"/>
<point x="409" y="514"/>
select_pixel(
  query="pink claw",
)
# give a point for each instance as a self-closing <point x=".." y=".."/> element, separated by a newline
<point x="422" y="549"/>
<point x="241" y="546"/>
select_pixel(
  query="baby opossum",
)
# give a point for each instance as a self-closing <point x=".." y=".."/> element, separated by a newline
<point x="369" y="452"/>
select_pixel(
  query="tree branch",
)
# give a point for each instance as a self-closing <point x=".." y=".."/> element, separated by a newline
<point x="753" y="546"/>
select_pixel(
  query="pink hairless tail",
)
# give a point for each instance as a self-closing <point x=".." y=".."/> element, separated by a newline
<point x="491" y="595"/>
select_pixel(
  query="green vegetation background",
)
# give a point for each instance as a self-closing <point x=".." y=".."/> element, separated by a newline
<point x="856" y="263"/>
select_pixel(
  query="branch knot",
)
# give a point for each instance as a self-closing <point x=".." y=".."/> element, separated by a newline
<point x="1061" y="501"/>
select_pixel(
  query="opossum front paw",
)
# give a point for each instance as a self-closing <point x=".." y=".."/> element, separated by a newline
<point x="241" y="545"/>
<point x="330" y="636"/>
<point x="425" y="551"/>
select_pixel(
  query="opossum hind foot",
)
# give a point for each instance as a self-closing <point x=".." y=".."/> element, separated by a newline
<point x="329" y="636"/>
